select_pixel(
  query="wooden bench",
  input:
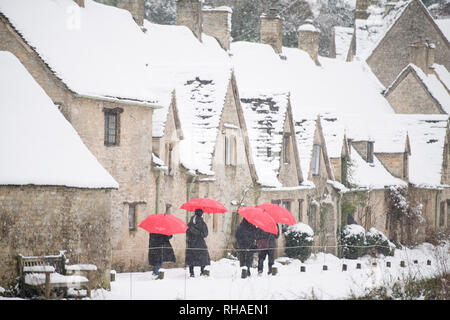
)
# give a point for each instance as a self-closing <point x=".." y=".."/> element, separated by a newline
<point x="46" y="273"/>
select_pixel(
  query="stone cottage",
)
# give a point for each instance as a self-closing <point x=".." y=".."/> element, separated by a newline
<point x="54" y="194"/>
<point x="385" y="33"/>
<point x="98" y="76"/>
<point x="423" y="86"/>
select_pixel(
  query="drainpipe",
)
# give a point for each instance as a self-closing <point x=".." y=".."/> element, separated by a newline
<point x="339" y="222"/>
<point x="437" y="206"/>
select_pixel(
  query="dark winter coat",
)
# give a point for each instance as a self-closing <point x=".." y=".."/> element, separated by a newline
<point x="266" y="240"/>
<point x="245" y="237"/>
<point x="159" y="249"/>
<point x="195" y="238"/>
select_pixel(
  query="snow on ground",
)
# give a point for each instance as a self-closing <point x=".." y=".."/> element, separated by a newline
<point x="288" y="284"/>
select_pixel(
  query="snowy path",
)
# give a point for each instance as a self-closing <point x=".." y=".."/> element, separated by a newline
<point x="225" y="282"/>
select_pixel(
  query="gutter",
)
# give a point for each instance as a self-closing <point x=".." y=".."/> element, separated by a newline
<point x="118" y="100"/>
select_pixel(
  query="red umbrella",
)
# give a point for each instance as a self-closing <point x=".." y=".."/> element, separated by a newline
<point x="278" y="213"/>
<point x="259" y="218"/>
<point x="163" y="224"/>
<point x="207" y="205"/>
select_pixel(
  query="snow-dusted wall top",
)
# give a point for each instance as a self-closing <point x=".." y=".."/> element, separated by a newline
<point x="39" y="146"/>
<point x="96" y="51"/>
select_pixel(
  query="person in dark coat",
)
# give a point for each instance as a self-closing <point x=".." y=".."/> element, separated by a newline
<point x="196" y="250"/>
<point x="159" y="251"/>
<point x="266" y="244"/>
<point x="246" y="237"/>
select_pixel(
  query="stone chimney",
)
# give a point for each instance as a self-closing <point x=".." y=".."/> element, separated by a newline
<point x="422" y="55"/>
<point x="217" y="23"/>
<point x="361" y="9"/>
<point x="189" y="14"/>
<point x="271" y="30"/>
<point x="308" y="40"/>
<point x="136" y="8"/>
<point x="80" y="3"/>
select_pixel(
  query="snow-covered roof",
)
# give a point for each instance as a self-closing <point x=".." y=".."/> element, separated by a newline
<point x="431" y="82"/>
<point x="370" y="31"/>
<point x="265" y="116"/>
<point x="342" y="40"/>
<point x="443" y="75"/>
<point x="200" y="73"/>
<point x="427" y="137"/>
<point x="444" y="25"/>
<point x="100" y="50"/>
<point x="370" y="175"/>
<point x="425" y="134"/>
<point x="38" y="144"/>
<point x="335" y="87"/>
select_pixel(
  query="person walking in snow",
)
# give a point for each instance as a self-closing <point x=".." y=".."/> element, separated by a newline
<point x="196" y="250"/>
<point x="246" y="237"/>
<point x="266" y="244"/>
<point x="159" y="250"/>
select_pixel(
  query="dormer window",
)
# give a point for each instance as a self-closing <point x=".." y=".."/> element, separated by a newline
<point x="370" y="151"/>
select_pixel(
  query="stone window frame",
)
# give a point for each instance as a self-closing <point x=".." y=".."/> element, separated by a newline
<point x="230" y="150"/>
<point x="132" y="227"/>
<point x="300" y="209"/>
<point x="317" y="149"/>
<point x="169" y="157"/>
<point x="286" y="145"/>
<point x="116" y="113"/>
<point x="370" y="151"/>
<point x="405" y="165"/>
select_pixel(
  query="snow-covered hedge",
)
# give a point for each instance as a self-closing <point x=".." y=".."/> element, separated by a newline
<point x="353" y="239"/>
<point x="299" y="239"/>
<point x="376" y="239"/>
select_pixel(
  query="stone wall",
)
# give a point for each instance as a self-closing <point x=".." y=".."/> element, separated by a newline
<point x="393" y="162"/>
<point x="129" y="162"/>
<point x="409" y="96"/>
<point x="42" y="220"/>
<point x="130" y="165"/>
<point x="217" y="23"/>
<point x="413" y="25"/>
